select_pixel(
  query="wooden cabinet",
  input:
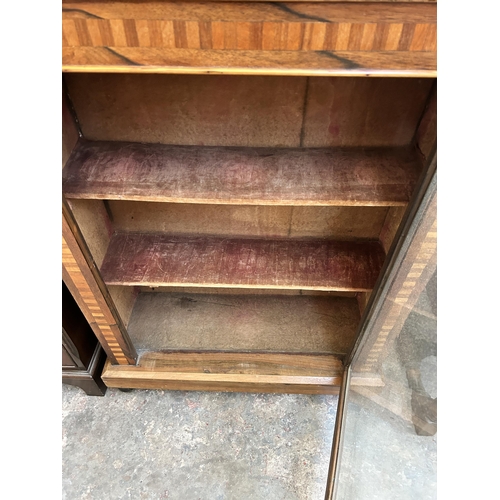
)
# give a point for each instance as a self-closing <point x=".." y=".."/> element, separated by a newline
<point x="225" y="231"/>
<point x="82" y="356"/>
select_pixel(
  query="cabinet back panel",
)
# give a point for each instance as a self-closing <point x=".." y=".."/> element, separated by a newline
<point x="190" y="109"/>
<point x="259" y="111"/>
<point x="364" y="111"/>
<point x="243" y="323"/>
<point x="240" y="291"/>
<point x="341" y="223"/>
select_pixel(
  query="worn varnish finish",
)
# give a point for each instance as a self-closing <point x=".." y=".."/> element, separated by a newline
<point x="248" y="372"/>
<point x="85" y="284"/>
<point x="260" y="176"/>
<point x="159" y="259"/>
<point x="236" y="323"/>
<point x="99" y="34"/>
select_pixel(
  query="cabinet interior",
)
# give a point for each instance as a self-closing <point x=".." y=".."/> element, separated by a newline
<point x="233" y="215"/>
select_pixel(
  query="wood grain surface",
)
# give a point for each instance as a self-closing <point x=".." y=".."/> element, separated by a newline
<point x="337" y="223"/>
<point x="391" y="225"/>
<point x="263" y="176"/>
<point x="241" y="362"/>
<point x="83" y="281"/>
<point x="191" y="110"/>
<point x="241" y="372"/>
<point x="353" y="112"/>
<point x="426" y="135"/>
<point x="249" y="111"/>
<point x="94" y="224"/>
<point x="243" y="291"/>
<point x="75" y="2"/>
<point x="159" y="259"/>
<point x="69" y="131"/>
<point x="249" y="62"/>
<point x="340" y="30"/>
<point x="241" y="11"/>
<point x="243" y="323"/>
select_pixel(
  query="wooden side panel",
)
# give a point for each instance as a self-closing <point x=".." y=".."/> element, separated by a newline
<point x="96" y="227"/>
<point x="158" y="259"/>
<point x="94" y="223"/>
<point x="190" y="110"/>
<point x="391" y="225"/>
<point x="124" y="299"/>
<point x="96" y="306"/>
<point x="426" y="136"/>
<point x="69" y="131"/>
<point x="363" y="111"/>
<point x="363" y="298"/>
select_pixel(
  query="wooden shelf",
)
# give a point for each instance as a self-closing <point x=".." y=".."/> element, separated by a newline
<point x="229" y="175"/>
<point x="165" y="260"/>
<point x="244" y="323"/>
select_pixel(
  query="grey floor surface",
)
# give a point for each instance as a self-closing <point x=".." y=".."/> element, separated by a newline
<point x="194" y="445"/>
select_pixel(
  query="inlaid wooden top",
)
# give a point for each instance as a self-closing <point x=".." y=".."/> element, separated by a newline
<point x="356" y="38"/>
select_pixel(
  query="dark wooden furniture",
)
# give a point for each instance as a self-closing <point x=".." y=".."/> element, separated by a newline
<point x="82" y="356"/>
<point x="235" y="174"/>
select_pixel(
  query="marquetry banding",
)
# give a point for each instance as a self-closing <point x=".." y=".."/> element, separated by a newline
<point x="97" y="317"/>
<point x="307" y="36"/>
<point x="324" y="28"/>
<point x="403" y="298"/>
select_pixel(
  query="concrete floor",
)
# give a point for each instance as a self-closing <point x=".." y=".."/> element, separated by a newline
<point x="194" y="445"/>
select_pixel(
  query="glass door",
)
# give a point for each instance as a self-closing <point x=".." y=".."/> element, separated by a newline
<point x="385" y="441"/>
